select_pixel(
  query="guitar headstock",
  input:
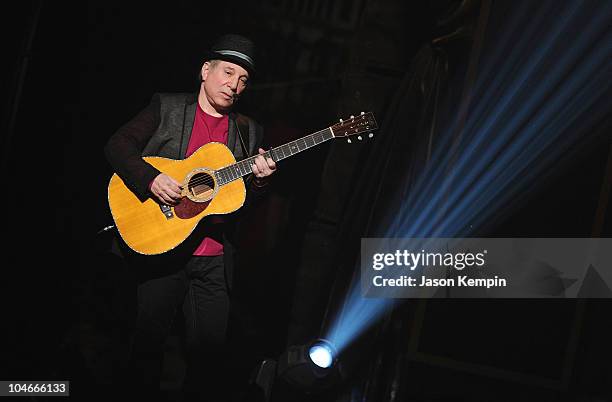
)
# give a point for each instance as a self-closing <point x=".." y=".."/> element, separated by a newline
<point x="355" y="125"/>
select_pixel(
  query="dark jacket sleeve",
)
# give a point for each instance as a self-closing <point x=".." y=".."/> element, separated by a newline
<point x="124" y="149"/>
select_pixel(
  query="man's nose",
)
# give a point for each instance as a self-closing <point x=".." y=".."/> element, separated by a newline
<point x="233" y="84"/>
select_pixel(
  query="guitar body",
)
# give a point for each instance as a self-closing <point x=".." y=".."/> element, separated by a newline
<point x="149" y="228"/>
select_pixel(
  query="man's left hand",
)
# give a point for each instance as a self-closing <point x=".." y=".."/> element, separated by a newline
<point x="263" y="167"/>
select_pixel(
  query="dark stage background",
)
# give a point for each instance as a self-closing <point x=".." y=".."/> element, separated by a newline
<point x="75" y="72"/>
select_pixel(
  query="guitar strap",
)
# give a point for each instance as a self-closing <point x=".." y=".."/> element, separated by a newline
<point x="242" y="124"/>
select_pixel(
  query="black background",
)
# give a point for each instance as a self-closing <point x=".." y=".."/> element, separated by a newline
<point x="94" y="65"/>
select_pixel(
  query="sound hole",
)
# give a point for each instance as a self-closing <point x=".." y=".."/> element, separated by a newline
<point x="201" y="187"/>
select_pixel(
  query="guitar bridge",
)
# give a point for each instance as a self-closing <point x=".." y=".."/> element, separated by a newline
<point x="167" y="211"/>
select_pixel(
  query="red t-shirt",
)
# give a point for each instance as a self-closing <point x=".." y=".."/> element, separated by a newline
<point x="207" y="128"/>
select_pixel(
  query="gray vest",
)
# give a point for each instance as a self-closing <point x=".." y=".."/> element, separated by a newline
<point x="177" y="114"/>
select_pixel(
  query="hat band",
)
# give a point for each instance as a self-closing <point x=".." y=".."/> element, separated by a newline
<point x="237" y="54"/>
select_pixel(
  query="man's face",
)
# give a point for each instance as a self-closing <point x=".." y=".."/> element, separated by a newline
<point x="223" y="83"/>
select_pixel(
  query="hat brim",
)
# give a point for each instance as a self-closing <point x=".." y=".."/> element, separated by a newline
<point x="212" y="55"/>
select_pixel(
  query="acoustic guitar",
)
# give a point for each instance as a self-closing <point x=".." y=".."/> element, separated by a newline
<point x="211" y="184"/>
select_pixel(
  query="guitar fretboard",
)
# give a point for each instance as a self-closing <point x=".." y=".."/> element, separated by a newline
<point x="243" y="168"/>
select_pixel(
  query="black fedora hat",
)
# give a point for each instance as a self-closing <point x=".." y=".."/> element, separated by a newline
<point x="234" y="48"/>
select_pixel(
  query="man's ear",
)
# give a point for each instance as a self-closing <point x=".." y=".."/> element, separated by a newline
<point x="205" y="70"/>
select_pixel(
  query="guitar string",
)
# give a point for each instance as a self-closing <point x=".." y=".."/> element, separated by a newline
<point x="230" y="169"/>
<point x="237" y="168"/>
<point x="266" y="154"/>
<point x="207" y="180"/>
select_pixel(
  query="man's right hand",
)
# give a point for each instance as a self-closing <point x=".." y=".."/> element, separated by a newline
<point x="166" y="189"/>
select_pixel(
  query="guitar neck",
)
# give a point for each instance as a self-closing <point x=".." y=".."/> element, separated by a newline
<point x="243" y="168"/>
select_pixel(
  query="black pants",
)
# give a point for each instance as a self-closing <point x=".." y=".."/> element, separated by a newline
<point x="200" y="290"/>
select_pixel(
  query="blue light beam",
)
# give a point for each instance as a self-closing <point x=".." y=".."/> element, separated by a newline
<point x="552" y="87"/>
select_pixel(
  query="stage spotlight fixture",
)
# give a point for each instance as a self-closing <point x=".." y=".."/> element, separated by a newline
<point x="322" y="354"/>
<point x="311" y="367"/>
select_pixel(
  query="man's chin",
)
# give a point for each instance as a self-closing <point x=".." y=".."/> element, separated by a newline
<point x="223" y="106"/>
<point x="226" y="103"/>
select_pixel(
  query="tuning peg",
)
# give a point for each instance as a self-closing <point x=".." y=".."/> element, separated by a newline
<point x="341" y="121"/>
<point x="359" y="138"/>
<point x="348" y="140"/>
<point x="371" y="135"/>
<point x="352" y="117"/>
<point x="362" y="113"/>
